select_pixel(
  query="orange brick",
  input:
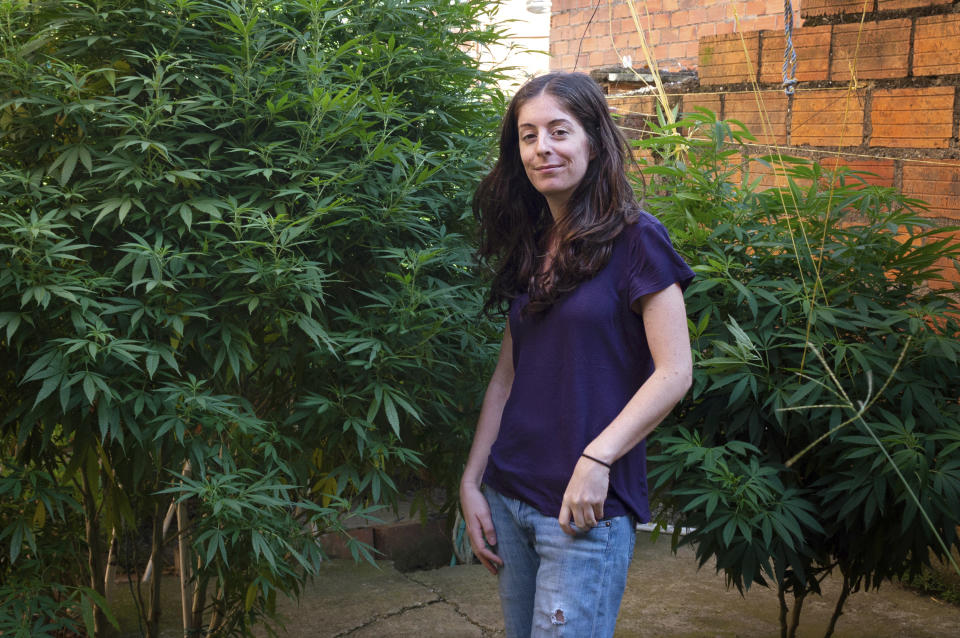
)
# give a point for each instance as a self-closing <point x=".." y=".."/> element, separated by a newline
<point x="734" y="163"/>
<point x="643" y="157"/>
<point x="912" y="118"/>
<point x="810" y="8"/>
<point x="878" y="50"/>
<point x="878" y="172"/>
<point x="897" y="5"/>
<point x="767" y="121"/>
<point x="936" y="45"/>
<point x="725" y="28"/>
<point x="812" y="45"/>
<point x="631" y="113"/>
<point x="704" y="30"/>
<point x="936" y="182"/>
<point x="767" y="22"/>
<point x="710" y="101"/>
<point x="827" y="118"/>
<point x="949" y="273"/>
<point x="770" y="175"/>
<point x="716" y="13"/>
<point x="625" y="105"/>
<point x="950" y="283"/>
<point x="754" y="8"/>
<point x="723" y="59"/>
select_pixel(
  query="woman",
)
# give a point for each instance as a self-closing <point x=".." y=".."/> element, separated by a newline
<point x="594" y="354"/>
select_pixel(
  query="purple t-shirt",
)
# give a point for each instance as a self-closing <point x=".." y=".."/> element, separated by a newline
<point x="575" y="368"/>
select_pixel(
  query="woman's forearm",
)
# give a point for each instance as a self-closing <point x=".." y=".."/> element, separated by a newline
<point x="665" y="324"/>
<point x="488" y="424"/>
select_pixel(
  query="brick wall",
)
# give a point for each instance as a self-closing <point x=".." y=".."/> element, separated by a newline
<point x="882" y="92"/>
<point x="588" y="34"/>
<point x="879" y="86"/>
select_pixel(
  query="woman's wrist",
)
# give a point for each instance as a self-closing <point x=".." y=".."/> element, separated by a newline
<point x="469" y="483"/>
<point x="595" y="459"/>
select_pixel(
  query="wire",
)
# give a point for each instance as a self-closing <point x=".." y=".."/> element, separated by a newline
<point x="812" y="151"/>
<point x="576" y="61"/>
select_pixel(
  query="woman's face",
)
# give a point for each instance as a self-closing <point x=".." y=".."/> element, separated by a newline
<point x="554" y="149"/>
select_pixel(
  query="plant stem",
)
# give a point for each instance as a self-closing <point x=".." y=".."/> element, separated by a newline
<point x="95" y="561"/>
<point x="798" y="599"/>
<point x="838" y="610"/>
<point x="781" y="595"/>
<point x="183" y="551"/>
<point x="913" y="497"/>
<point x="858" y="413"/>
<point x="153" y="606"/>
<point x="183" y="547"/>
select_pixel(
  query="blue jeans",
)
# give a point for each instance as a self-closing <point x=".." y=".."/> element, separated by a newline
<point x="554" y="584"/>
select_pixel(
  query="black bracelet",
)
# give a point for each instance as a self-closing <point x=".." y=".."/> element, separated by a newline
<point x="595" y="460"/>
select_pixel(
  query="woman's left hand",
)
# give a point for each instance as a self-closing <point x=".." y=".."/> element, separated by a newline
<point x="584" y="497"/>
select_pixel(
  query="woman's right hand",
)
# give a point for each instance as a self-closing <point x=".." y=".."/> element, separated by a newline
<point x="476" y="514"/>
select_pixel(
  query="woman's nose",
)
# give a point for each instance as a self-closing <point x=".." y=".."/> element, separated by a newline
<point x="543" y="145"/>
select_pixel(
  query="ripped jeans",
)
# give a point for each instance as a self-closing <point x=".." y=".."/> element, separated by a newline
<point x="554" y="584"/>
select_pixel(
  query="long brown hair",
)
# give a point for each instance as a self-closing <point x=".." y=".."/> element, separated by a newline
<point x="515" y="222"/>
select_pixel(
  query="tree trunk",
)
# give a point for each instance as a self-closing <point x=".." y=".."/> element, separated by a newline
<point x="782" y="596"/>
<point x="167" y="520"/>
<point x="217" y="618"/>
<point x="795" y="616"/>
<point x="95" y="558"/>
<point x="183" y="545"/>
<point x="199" y="597"/>
<point x="111" y="569"/>
<point x="838" y="610"/>
<point x="153" y="585"/>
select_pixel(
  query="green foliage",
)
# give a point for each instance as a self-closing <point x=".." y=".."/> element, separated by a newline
<point x="822" y="329"/>
<point x="938" y="582"/>
<point x="234" y="241"/>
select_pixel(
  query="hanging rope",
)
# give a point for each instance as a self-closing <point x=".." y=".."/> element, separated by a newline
<point x="789" y="53"/>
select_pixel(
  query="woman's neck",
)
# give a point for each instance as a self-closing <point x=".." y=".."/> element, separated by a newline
<point x="557" y="207"/>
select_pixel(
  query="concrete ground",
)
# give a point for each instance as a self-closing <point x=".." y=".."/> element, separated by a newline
<point x="666" y="597"/>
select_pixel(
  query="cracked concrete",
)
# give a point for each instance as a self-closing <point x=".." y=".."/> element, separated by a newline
<point x="666" y="597"/>
<point x="348" y="600"/>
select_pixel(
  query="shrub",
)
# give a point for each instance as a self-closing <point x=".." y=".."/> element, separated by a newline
<point x="824" y="407"/>
<point x="235" y="277"/>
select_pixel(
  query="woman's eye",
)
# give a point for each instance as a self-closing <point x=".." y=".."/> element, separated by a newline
<point x="560" y="132"/>
<point x="528" y="137"/>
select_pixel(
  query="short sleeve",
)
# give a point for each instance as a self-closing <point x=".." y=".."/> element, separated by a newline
<point x="653" y="264"/>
